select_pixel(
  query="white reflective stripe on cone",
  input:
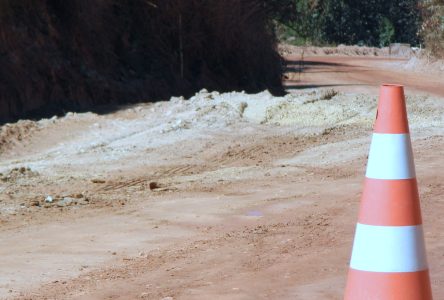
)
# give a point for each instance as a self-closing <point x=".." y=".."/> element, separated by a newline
<point x="390" y="157"/>
<point x="389" y="249"/>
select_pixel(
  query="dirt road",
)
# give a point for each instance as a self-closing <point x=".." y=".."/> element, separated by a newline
<point x="228" y="196"/>
<point x="360" y="74"/>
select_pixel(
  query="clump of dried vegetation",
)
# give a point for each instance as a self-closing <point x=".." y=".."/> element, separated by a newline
<point x="432" y="29"/>
<point x="60" y="55"/>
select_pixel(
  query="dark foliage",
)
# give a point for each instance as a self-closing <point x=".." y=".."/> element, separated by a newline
<point x="59" y="55"/>
<point x="369" y="22"/>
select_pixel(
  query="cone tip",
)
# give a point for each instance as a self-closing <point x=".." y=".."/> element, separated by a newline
<point x="392" y="114"/>
<point x="393" y="85"/>
<point x="394" y="91"/>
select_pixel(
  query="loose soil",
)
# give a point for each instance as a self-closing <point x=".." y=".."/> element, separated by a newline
<point x="221" y="196"/>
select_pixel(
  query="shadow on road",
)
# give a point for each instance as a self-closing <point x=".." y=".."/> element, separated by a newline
<point x="302" y="67"/>
<point x="313" y="86"/>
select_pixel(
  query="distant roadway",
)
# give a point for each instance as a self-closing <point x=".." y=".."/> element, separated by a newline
<point x="360" y="74"/>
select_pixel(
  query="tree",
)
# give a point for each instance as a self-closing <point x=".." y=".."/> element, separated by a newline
<point x="283" y="11"/>
<point x="370" y="22"/>
<point x="386" y="32"/>
<point x="405" y="16"/>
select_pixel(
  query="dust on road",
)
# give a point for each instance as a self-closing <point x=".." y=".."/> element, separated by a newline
<point x="360" y="74"/>
<point x="221" y="196"/>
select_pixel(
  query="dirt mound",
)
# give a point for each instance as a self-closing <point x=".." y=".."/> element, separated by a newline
<point x="317" y="108"/>
<point x="17" y="173"/>
<point x="13" y="134"/>
<point x="150" y="126"/>
<point x="400" y="50"/>
<point x="340" y="50"/>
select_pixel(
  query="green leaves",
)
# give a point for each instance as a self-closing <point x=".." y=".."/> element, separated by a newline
<point x="370" y="22"/>
<point x="386" y="32"/>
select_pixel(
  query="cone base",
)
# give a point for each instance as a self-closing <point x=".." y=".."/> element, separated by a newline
<point x="362" y="285"/>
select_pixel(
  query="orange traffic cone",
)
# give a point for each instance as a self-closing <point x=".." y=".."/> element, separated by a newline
<point x="388" y="258"/>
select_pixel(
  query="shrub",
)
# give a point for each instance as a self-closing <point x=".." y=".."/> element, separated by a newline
<point x="432" y="30"/>
<point x="59" y="55"/>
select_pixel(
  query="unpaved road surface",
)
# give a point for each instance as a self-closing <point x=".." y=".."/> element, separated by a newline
<point x="228" y="196"/>
<point x="360" y="74"/>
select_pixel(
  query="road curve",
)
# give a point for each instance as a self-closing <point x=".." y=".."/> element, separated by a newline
<point x="362" y="74"/>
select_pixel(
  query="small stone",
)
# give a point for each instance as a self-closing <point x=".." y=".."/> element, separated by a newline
<point x="98" y="181"/>
<point x="83" y="201"/>
<point x="49" y="199"/>
<point x="34" y="203"/>
<point x="67" y="201"/>
<point x="154" y="185"/>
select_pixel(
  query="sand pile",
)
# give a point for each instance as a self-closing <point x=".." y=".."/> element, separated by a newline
<point x="135" y="131"/>
<point x="11" y="134"/>
<point x="321" y="108"/>
<point x="317" y="108"/>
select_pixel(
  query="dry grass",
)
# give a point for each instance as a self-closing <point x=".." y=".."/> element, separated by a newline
<point x="432" y="30"/>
